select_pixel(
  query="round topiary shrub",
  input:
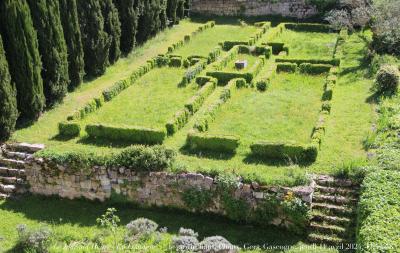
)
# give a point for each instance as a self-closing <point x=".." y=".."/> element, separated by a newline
<point x="387" y="79"/>
<point x="217" y="244"/>
<point x="185" y="244"/>
<point x="141" y="227"/>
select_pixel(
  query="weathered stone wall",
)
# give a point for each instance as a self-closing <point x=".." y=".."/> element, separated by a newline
<point x="147" y="189"/>
<point x="286" y="8"/>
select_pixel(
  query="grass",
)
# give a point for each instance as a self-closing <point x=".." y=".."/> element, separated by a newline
<point x="308" y="44"/>
<point x="204" y="42"/>
<point x="75" y="221"/>
<point x="145" y="103"/>
<point x="251" y="60"/>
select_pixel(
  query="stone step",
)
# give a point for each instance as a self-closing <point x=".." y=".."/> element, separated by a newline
<point x="16" y="164"/>
<point x="334" y="220"/>
<point x="7" y="188"/>
<point x="325" y="239"/>
<point x="8" y="180"/>
<point x="16" y="155"/>
<point x="25" y="147"/>
<point x="6" y="172"/>
<point x="335" y="182"/>
<point x="334" y="199"/>
<point x="326" y="229"/>
<point x="333" y="210"/>
<point x="336" y="191"/>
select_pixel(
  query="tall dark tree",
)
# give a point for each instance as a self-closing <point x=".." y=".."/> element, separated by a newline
<point x="149" y="21"/>
<point x="52" y="47"/>
<point x="172" y="6"/>
<point x="180" y="12"/>
<point x="96" y="42"/>
<point x="128" y="11"/>
<point x="22" y="51"/>
<point x="72" y="35"/>
<point x="8" y="98"/>
<point x="112" y="26"/>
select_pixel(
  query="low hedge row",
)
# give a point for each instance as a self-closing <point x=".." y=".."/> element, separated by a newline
<point x="195" y="102"/>
<point x="178" y="121"/>
<point x="202" y="123"/>
<point x="256" y="50"/>
<point x="90" y="107"/>
<point x="286" y="67"/>
<point x="192" y="72"/>
<point x="334" y="62"/>
<point x="295" y="152"/>
<point x="188" y="37"/>
<point x="314" y="69"/>
<point x="277" y="47"/>
<point x="308" y="27"/>
<point x="222" y="62"/>
<point x="201" y="80"/>
<point x="264" y="26"/>
<point x="69" y="129"/>
<point x="379" y="213"/>
<point x="129" y="134"/>
<point x="217" y="143"/>
<point x="214" y="54"/>
<point x="175" y="61"/>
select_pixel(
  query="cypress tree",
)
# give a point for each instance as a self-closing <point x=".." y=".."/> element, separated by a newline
<point x="72" y="35"/>
<point x="96" y="42"/>
<point x="112" y="26"/>
<point x="52" y="47"/>
<point x="149" y="21"/>
<point x="180" y="12"/>
<point x="8" y="98"/>
<point x="172" y="6"/>
<point x="128" y="11"/>
<point x="22" y="51"/>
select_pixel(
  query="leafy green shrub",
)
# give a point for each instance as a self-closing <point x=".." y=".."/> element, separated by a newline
<point x="187" y="232"/>
<point x="277" y="47"/>
<point x="262" y="84"/>
<point x="379" y="61"/>
<point x="162" y="60"/>
<point x="286" y="67"/>
<point x="195" y="102"/>
<point x="185" y="244"/>
<point x="236" y="209"/>
<point x="387" y="80"/>
<point x="197" y="199"/>
<point x="333" y="62"/>
<point x="314" y="69"/>
<point x="141" y="228"/>
<point x="192" y="72"/>
<point x="142" y="158"/>
<point x="214" y="54"/>
<point x="267" y="210"/>
<point x="219" y="143"/>
<point x="114" y="90"/>
<point x="297" y="211"/>
<point x="301" y="153"/>
<point x="175" y="62"/>
<point x="326" y="106"/>
<point x="201" y="80"/>
<point x="33" y="240"/>
<point x="131" y="134"/>
<point x="178" y="121"/>
<point x="69" y="129"/>
<point x="378" y="213"/>
<point x="308" y="27"/>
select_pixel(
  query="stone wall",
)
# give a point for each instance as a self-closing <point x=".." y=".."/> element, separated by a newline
<point x="286" y="8"/>
<point x="159" y="189"/>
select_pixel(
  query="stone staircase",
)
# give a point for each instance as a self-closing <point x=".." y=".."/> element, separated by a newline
<point x="12" y="167"/>
<point x="333" y="212"/>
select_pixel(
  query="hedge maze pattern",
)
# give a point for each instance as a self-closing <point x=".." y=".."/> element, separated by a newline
<point x="268" y="57"/>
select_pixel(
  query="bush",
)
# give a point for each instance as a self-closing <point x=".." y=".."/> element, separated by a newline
<point x="114" y="90"/>
<point x="185" y="244"/>
<point x="219" y="143"/>
<point x="195" y="102"/>
<point x="217" y="244"/>
<point x="33" y="240"/>
<point x="187" y="232"/>
<point x="286" y="67"/>
<point x="197" y="199"/>
<point x="277" y="47"/>
<point x="333" y="62"/>
<point x="308" y="27"/>
<point x="69" y="129"/>
<point x="262" y="84"/>
<point x="129" y="134"/>
<point x="295" y="152"/>
<point x="378" y="213"/>
<point x="326" y="106"/>
<point x="178" y="121"/>
<point x="192" y="72"/>
<point x="142" y="158"/>
<point x="175" y="62"/>
<point x="387" y="80"/>
<point x="214" y="54"/>
<point x="141" y="228"/>
<point x="314" y="69"/>
<point x="201" y="80"/>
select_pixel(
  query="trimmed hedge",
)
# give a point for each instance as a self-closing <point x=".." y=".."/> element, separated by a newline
<point x="69" y="129"/>
<point x="314" y="69"/>
<point x="379" y="213"/>
<point x="227" y="45"/>
<point x="139" y="135"/>
<point x="178" y="121"/>
<point x="175" y="62"/>
<point x="90" y="107"/>
<point x="195" y="102"/>
<point x="299" y="153"/>
<point x="218" y="143"/>
<point x="214" y="54"/>
<point x="277" y="47"/>
<point x="334" y="62"/>
<point x="286" y="67"/>
<point x="201" y="80"/>
<point x="192" y="72"/>
<point x="308" y="27"/>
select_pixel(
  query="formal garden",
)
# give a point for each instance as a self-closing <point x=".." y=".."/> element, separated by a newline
<point x="162" y="130"/>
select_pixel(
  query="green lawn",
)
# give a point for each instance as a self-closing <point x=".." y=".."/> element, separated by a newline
<point x="75" y="222"/>
<point x="204" y="42"/>
<point x="308" y="44"/>
<point x="145" y="103"/>
<point x="251" y="60"/>
<point x="286" y="112"/>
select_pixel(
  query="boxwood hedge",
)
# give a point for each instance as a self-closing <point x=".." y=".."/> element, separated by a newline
<point x="218" y="143"/>
<point x="275" y="150"/>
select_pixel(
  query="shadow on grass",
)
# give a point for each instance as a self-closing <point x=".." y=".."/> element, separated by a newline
<point x="214" y="155"/>
<point x="57" y="211"/>
<point x="104" y="143"/>
<point x="254" y="159"/>
<point x="60" y="137"/>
